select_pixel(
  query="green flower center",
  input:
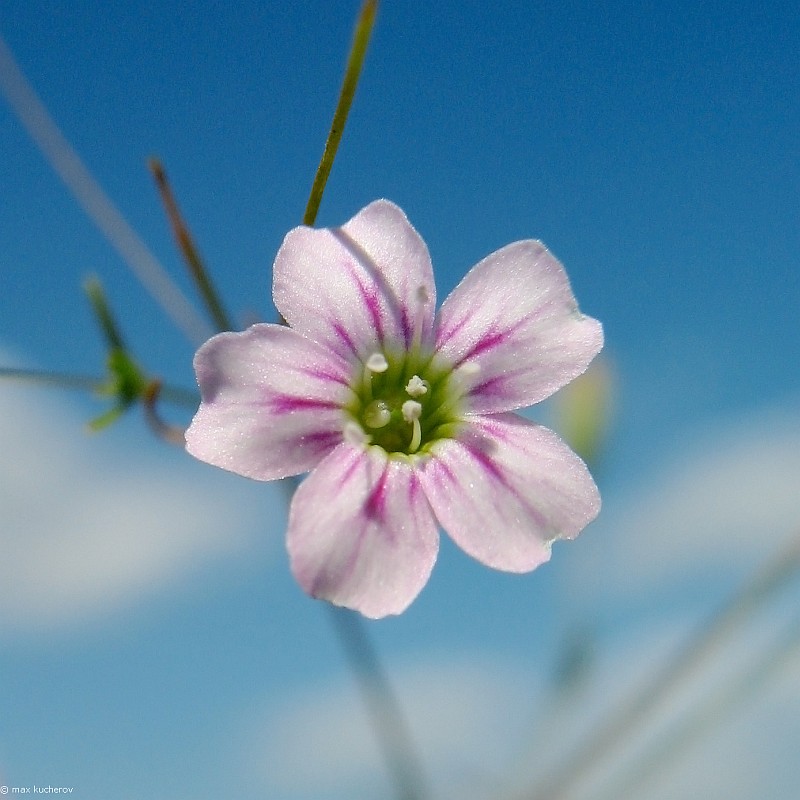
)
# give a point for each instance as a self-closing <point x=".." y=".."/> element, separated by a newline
<point x="403" y="403"/>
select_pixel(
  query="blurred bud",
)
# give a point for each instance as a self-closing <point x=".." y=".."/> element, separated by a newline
<point x="583" y="410"/>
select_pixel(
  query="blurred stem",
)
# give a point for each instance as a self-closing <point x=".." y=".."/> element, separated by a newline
<point x="91" y="197"/>
<point x="707" y="714"/>
<point x="355" y="61"/>
<point x="187" y="247"/>
<point x="171" y="394"/>
<point x="393" y="734"/>
<point x="602" y="741"/>
<point x="83" y="382"/>
<point x="102" y="311"/>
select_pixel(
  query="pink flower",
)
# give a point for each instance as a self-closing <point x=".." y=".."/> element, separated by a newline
<point x="401" y="415"/>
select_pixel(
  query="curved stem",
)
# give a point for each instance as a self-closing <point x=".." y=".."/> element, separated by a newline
<point x="172" y="434"/>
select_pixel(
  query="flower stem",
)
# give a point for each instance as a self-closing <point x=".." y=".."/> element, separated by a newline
<point x="187" y="247"/>
<point x="395" y="740"/>
<point x="390" y="725"/>
<point x="355" y="61"/>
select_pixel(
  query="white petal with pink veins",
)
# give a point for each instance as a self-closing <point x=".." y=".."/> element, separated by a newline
<point x="271" y="402"/>
<point x="361" y="533"/>
<point x="505" y="488"/>
<point x="513" y="324"/>
<point x="361" y="288"/>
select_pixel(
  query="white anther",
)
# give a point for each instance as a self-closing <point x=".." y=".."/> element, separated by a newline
<point x="411" y="410"/>
<point x="354" y="434"/>
<point x="416" y="387"/>
<point x="377" y="414"/>
<point x="377" y="363"/>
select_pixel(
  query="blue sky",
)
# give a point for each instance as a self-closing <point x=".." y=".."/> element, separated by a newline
<point x="152" y="641"/>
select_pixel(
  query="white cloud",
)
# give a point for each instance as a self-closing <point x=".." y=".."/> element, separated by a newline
<point x="726" y="501"/>
<point x="89" y="524"/>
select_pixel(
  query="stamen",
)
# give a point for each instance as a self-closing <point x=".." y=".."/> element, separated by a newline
<point x="377" y="363"/>
<point x="416" y="437"/>
<point x="411" y="412"/>
<point x="416" y="386"/>
<point x="377" y="414"/>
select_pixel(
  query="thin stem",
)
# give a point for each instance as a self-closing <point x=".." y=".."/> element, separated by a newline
<point x="88" y="193"/>
<point x="603" y="740"/>
<point x="355" y="61"/>
<point x="187" y="247"/>
<point x="172" y="394"/>
<point x="108" y="325"/>
<point x="83" y="382"/>
<point x="393" y="734"/>
<point x="706" y="714"/>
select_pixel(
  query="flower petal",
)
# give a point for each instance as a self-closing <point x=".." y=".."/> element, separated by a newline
<point x="361" y="533"/>
<point x="514" y="323"/>
<point x="360" y="288"/>
<point x="271" y="402"/>
<point x="506" y="488"/>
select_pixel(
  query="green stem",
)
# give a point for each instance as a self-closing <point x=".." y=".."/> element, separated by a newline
<point x="108" y="325"/>
<point x="187" y="247"/>
<point x="355" y="62"/>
